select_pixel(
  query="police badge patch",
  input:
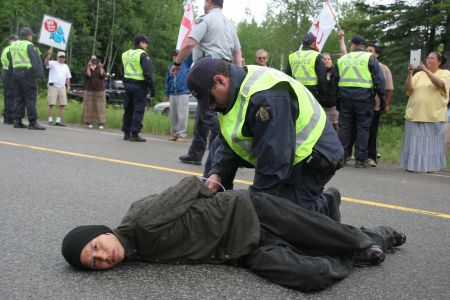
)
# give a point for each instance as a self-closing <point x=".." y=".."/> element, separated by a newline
<point x="263" y="114"/>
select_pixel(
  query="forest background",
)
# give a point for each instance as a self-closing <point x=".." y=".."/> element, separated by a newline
<point x="107" y="28"/>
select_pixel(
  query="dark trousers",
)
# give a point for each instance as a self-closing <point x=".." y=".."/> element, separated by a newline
<point x="204" y="124"/>
<point x="304" y="186"/>
<point x="24" y="95"/>
<point x="373" y="136"/>
<point x="301" y="249"/>
<point x="355" y="118"/>
<point x="8" y="107"/>
<point x="134" y="107"/>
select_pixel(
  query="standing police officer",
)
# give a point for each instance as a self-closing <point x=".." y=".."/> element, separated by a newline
<point x="7" y="82"/>
<point x="27" y="67"/>
<point x="138" y="77"/>
<point x="212" y="36"/>
<point x="358" y="77"/>
<point x="307" y="67"/>
<point x="271" y="122"/>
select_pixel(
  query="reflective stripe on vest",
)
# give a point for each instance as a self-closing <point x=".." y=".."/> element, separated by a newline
<point x="131" y="60"/>
<point x="19" y="54"/>
<point x="4" y="58"/>
<point x="303" y="64"/>
<point x="309" y="124"/>
<point x="354" y="70"/>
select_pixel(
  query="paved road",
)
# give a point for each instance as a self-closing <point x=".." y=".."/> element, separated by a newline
<point x="62" y="177"/>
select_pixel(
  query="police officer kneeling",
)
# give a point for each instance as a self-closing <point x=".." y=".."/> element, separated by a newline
<point x="138" y="77"/>
<point x="271" y="122"/>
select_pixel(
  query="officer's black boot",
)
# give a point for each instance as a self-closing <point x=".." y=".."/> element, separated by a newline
<point x="35" y="126"/>
<point x="18" y="124"/>
<point x="126" y="136"/>
<point x="333" y="197"/>
<point x="136" y="138"/>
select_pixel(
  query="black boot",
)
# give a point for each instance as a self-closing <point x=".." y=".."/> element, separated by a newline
<point x="136" y="138"/>
<point x="333" y="201"/>
<point x="8" y="121"/>
<point x="35" y="126"/>
<point x="18" y="124"/>
<point x="126" y="136"/>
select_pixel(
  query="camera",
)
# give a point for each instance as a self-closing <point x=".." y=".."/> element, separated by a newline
<point x="95" y="61"/>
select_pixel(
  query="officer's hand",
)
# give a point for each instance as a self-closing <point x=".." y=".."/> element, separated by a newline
<point x="174" y="70"/>
<point x="213" y="182"/>
<point x="166" y="99"/>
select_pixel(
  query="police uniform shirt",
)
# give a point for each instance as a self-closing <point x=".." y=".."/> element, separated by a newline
<point x="216" y="36"/>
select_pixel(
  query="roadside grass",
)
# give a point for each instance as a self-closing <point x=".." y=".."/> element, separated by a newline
<point x="389" y="141"/>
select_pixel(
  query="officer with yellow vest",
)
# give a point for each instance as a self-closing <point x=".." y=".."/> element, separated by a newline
<point x="270" y="122"/>
<point x="358" y="77"/>
<point x="138" y="79"/>
<point x="27" y="67"/>
<point x="7" y="82"/>
<point x="307" y="67"/>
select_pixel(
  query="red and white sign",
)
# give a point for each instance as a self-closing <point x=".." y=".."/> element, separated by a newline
<point x="187" y="22"/>
<point x="54" y="32"/>
<point x="323" y="24"/>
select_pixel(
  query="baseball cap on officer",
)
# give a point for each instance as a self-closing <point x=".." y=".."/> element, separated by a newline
<point x="358" y="40"/>
<point x="308" y="39"/>
<point x="26" y="31"/>
<point x="200" y="80"/>
<point x="13" y="37"/>
<point x="140" y="38"/>
<point x="60" y="53"/>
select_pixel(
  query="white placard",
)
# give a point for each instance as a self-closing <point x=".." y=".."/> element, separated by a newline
<point x="414" y="58"/>
<point x="54" y="32"/>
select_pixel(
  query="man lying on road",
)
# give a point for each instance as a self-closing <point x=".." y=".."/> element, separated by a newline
<point x="271" y="236"/>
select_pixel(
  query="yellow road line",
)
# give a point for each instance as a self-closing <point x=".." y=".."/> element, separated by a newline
<point x="125" y="162"/>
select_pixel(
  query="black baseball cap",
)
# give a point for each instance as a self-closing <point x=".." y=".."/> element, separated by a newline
<point x="358" y="40"/>
<point x="200" y="79"/>
<point x="140" y="38"/>
<point x="25" y="31"/>
<point x="13" y="37"/>
<point x="308" y="39"/>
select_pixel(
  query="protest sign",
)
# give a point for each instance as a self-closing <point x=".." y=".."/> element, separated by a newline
<point x="54" y="32"/>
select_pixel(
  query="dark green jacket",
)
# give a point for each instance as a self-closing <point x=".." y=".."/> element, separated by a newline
<point x="189" y="224"/>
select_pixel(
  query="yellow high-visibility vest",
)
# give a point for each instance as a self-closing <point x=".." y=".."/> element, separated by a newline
<point x="308" y="127"/>
<point x="303" y="63"/>
<point x="354" y="70"/>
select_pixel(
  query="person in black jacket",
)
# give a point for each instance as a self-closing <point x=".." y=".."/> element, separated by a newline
<point x="274" y="238"/>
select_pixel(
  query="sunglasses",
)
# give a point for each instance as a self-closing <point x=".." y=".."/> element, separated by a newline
<point x="261" y="57"/>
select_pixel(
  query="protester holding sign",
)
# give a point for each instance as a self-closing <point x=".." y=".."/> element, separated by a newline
<point x="58" y="85"/>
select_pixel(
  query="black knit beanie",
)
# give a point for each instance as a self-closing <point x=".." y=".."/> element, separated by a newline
<point x="76" y="239"/>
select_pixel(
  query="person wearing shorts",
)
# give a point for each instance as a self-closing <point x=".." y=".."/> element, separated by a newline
<point x="58" y="85"/>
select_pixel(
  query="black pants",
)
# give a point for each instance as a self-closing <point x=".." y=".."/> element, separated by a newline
<point x="301" y="249"/>
<point x="355" y="118"/>
<point x="24" y="95"/>
<point x="373" y="136"/>
<point x="8" y="107"/>
<point x="134" y="107"/>
<point x="204" y="124"/>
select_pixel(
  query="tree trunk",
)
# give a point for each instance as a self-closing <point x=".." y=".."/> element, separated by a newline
<point x="96" y="26"/>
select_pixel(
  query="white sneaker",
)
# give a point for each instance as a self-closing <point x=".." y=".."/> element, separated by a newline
<point x="90" y="126"/>
<point x="371" y="162"/>
<point x="101" y="127"/>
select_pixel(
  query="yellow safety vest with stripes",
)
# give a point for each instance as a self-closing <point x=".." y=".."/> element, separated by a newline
<point x="19" y="54"/>
<point x="303" y="64"/>
<point x="131" y="60"/>
<point x="354" y="70"/>
<point x="308" y="127"/>
<point x="4" y="58"/>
